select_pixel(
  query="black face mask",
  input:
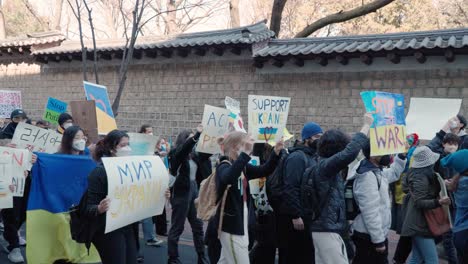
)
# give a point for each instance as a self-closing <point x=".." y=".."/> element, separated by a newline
<point x="313" y="144"/>
<point x="385" y="161"/>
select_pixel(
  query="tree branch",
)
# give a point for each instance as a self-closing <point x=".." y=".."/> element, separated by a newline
<point x="90" y="18"/>
<point x="77" y="14"/>
<point x="276" y="16"/>
<point x="343" y="16"/>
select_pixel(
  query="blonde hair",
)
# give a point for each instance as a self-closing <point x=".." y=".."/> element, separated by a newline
<point x="231" y="140"/>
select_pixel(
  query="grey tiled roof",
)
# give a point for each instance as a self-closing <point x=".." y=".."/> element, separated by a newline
<point x="33" y="39"/>
<point x="454" y="38"/>
<point x="242" y="35"/>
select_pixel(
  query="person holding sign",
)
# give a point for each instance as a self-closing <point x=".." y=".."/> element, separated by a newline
<point x="73" y="141"/>
<point x="184" y="193"/>
<point x="116" y="247"/>
<point x="17" y="116"/>
<point x="232" y="176"/>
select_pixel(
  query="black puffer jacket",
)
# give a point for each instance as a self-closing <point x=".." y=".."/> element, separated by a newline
<point x="331" y="192"/>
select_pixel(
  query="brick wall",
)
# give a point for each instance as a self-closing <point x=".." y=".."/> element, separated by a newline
<point x="170" y="94"/>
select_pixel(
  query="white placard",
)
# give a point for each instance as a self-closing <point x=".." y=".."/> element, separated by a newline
<point x="20" y="160"/>
<point x="142" y="144"/>
<point x="9" y="101"/>
<point x="215" y="124"/>
<point x="268" y="116"/>
<point x="235" y="120"/>
<point x="6" y="197"/>
<point x="36" y="139"/>
<point x="426" y="116"/>
<point x="136" y="188"/>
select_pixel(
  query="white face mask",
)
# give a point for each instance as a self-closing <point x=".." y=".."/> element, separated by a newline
<point x="79" y="144"/>
<point x="124" y="152"/>
<point x="67" y="125"/>
<point x="453" y="125"/>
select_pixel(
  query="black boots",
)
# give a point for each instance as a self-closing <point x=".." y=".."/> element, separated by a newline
<point x="202" y="259"/>
<point x="174" y="260"/>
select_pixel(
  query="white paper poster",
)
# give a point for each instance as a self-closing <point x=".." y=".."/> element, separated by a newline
<point x="136" y="188"/>
<point x="6" y="197"/>
<point x="215" y="124"/>
<point x="426" y="116"/>
<point x="9" y="101"/>
<point x="268" y="116"/>
<point x="20" y="160"/>
<point x="235" y="120"/>
<point x="36" y="139"/>
<point x="142" y="144"/>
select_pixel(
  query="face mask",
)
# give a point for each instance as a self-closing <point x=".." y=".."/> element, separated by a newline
<point x="385" y="161"/>
<point x="313" y="144"/>
<point x="79" y="144"/>
<point x="450" y="148"/>
<point x="124" y="152"/>
<point x="453" y="125"/>
<point x="67" y="125"/>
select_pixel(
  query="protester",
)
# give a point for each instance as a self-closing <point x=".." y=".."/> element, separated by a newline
<point x="295" y="239"/>
<point x="118" y="246"/>
<point x="370" y="188"/>
<point x="73" y="141"/>
<point x="459" y="185"/>
<point x="423" y="195"/>
<point x="13" y="218"/>
<point x="335" y="152"/>
<point x="65" y="121"/>
<point x="184" y="193"/>
<point x="234" y="170"/>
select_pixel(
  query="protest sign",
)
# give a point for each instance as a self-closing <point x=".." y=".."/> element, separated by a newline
<point x="6" y="197"/>
<point x="105" y="117"/>
<point x="54" y="108"/>
<point x="235" y="120"/>
<point x="388" y="132"/>
<point x="268" y="116"/>
<point x="142" y="144"/>
<point x="20" y="162"/>
<point x="215" y="124"/>
<point x="9" y="101"/>
<point x="426" y="116"/>
<point x="255" y="183"/>
<point x="36" y="139"/>
<point x="84" y="115"/>
<point x="136" y="188"/>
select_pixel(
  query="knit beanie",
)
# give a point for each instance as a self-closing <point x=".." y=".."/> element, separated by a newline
<point x="457" y="161"/>
<point x="310" y="129"/>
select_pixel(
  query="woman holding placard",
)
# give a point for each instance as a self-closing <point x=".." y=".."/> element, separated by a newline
<point x="116" y="247"/>
<point x="232" y="175"/>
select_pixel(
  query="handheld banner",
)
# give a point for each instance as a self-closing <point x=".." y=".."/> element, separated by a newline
<point x="142" y="144"/>
<point x="388" y="132"/>
<point x="215" y="124"/>
<point x="235" y="120"/>
<point x="36" y="139"/>
<point x="268" y="116"/>
<point x="54" y="108"/>
<point x="20" y="161"/>
<point x="6" y="197"/>
<point x="105" y="116"/>
<point x="9" y="101"/>
<point x="136" y="188"/>
<point x="84" y="115"/>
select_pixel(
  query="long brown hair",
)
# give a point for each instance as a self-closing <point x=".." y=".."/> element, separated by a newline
<point x="231" y="140"/>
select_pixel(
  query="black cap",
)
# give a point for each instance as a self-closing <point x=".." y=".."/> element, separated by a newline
<point x="18" y="113"/>
<point x="64" y="117"/>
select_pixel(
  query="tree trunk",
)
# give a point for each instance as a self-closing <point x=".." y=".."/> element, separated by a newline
<point x="343" y="16"/>
<point x="234" y="11"/>
<point x="277" y="15"/>
<point x="58" y="14"/>
<point x="2" y="25"/>
<point x="171" y="25"/>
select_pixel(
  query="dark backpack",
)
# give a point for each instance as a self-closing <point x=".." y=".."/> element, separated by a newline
<point x="275" y="182"/>
<point x="352" y="208"/>
<point x="81" y="226"/>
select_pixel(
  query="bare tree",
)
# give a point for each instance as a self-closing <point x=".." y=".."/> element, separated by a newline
<point x="57" y="14"/>
<point x="77" y="14"/>
<point x="90" y="18"/>
<point x="234" y="11"/>
<point x="34" y="13"/>
<point x="277" y="15"/>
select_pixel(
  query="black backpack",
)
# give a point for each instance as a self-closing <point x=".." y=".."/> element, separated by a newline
<point x="275" y="182"/>
<point x="81" y="226"/>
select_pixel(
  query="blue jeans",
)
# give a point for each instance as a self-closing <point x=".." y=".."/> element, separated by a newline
<point x="148" y="231"/>
<point x="424" y="251"/>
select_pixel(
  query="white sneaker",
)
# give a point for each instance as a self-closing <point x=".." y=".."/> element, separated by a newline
<point x="154" y="242"/>
<point x="15" y="256"/>
<point x="22" y="241"/>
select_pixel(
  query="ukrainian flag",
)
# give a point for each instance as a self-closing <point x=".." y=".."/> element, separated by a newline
<point x="58" y="182"/>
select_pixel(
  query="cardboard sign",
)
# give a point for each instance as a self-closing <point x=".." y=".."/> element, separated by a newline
<point x="54" y="108"/>
<point x="426" y="116"/>
<point x="20" y="160"/>
<point x="235" y="120"/>
<point x="9" y="101"/>
<point x="388" y="132"/>
<point x="84" y="115"/>
<point x="105" y="116"/>
<point x="268" y="116"/>
<point x="36" y="139"/>
<point x="215" y="124"/>
<point x="6" y="197"/>
<point x="136" y="188"/>
<point x="142" y="144"/>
